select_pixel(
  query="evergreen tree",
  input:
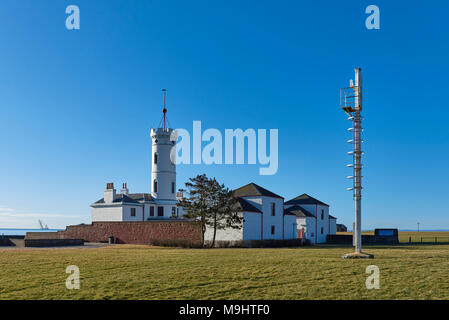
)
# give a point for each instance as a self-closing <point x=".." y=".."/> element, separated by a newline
<point x="211" y="203"/>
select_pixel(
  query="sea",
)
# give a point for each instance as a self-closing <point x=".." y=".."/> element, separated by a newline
<point x="22" y="232"/>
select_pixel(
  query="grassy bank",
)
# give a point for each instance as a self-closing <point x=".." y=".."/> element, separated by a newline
<point x="141" y="272"/>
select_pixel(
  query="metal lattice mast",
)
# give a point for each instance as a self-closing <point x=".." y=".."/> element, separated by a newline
<point x="351" y="103"/>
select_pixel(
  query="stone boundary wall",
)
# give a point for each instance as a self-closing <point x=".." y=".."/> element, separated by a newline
<point x="53" y="242"/>
<point x="6" y="240"/>
<point x="142" y="232"/>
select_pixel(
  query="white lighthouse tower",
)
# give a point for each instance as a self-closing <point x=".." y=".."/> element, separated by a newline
<point x="163" y="173"/>
<point x="162" y="202"/>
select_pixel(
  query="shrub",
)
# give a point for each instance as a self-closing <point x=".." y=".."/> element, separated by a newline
<point x="175" y="243"/>
<point x="258" y="243"/>
<point x="276" y="243"/>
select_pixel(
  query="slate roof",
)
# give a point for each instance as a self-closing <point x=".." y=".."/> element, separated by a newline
<point x="332" y="217"/>
<point x="130" y="198"/>
<point x="305" y="199"/>
<point x="253" y="189"/>
<point x="299" y="212"/>
<point x="243" y="205"/>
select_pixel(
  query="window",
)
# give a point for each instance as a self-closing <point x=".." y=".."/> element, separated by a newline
<point x="133" y="212"/>
<point x="154" y="186"/>
<point x="160" y="211"/>
<point x="151" y="211"/>
<point x="272" y="229"/>
<point x="155" y="158"/>
<point x="322" y="230"/>
<point x="173" y="211"/>
<point x="322" y="215"/>
<point x="172" y="187"/>
<point x="273" y="209"/>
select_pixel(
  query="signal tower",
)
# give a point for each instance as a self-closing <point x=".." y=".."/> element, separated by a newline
<point x="351" y="103"/>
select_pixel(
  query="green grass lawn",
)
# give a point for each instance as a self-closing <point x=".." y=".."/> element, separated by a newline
<point x="142" y="272"/>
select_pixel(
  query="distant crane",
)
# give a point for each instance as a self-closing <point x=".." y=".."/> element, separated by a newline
<point x="42" y="225"/>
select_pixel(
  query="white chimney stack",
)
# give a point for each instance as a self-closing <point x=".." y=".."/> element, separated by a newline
<point x="124" y="189"/>
<point x="109" y="193"/>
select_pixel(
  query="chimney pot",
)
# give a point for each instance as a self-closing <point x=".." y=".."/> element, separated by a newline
<point x="109" y="193"/>
<point x="124" y="189"/>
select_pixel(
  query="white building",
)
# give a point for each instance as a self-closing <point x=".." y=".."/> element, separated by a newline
<point x="312" y="218"/>
<point x="161" y="203"/>
<point x="332" y="225"/>
<point x="263" y="217"/>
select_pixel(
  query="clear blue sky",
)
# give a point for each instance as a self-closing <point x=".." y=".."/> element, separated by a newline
<point x="77" y="106"/>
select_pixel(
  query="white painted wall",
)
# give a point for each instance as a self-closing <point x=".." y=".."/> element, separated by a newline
<point x="252" y="227"/>
<point x="290" y="227"/>
<point x="127" y="213"/>
<point x="166" y="207"/>
<point x="263" y="203"/>
<point x="322" y="223"/>
<point x="227" y="234"/>
<point x="164" y="171"/>
<point x="107" y="213"/>
<point x="332" y="226"/>
<point x="308" y="223"/>
<point x="314" y="230"/>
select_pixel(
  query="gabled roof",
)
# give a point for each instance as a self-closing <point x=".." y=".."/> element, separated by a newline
<point x="332" y="217"/>
<point x="253" y="189"/>
<point x="305" y="199"/>
<point x="244" y="206"/>
<point x="129" y="198"/>
<point x="299" y="212"/>
<point x="141" y="196"/>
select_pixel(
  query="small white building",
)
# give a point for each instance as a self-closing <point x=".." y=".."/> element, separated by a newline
<point x="312" y="217"/>
<point x="131" y="207"/>
<point x="263" y="217"/>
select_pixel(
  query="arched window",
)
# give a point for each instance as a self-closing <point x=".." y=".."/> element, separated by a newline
<point x="155" y="185"/>
<point x="155" y="158"/>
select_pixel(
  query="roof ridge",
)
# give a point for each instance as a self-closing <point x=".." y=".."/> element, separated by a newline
<point x="253" y="189"/>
